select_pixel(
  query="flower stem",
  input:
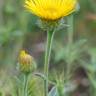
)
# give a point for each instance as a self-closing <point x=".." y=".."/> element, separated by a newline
<point x="70" y="41"/>
<point x="70" y="30"/>
<point x="25" y="85"/>
<point x="50" y="35"/>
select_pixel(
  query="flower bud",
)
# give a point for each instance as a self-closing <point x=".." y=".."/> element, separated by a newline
<point x="26" y="63"/>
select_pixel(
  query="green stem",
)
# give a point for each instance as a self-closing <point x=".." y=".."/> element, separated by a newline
<point x="70" y="41"/>
<point x="25" y="85"/>
<point x="50" y="35"/>
<point x="70" y="30"/>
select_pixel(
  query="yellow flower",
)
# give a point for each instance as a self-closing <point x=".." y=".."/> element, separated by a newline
<point x="26" y="62"/>
<point x="51" y="9"/>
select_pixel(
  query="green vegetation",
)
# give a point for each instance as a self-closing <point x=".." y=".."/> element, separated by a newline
<point x="72" y="70"/>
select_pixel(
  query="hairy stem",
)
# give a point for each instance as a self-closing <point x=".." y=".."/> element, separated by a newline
<point x="25" y="85"/>
<point x="50" y="35"/>
<point x="70" y="41"/>
<point x="70" y="30"/>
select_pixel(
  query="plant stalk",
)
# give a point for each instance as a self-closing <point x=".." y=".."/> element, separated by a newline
<point x="70" y="30"/>
<point x="50" y="35"/>
<point x="70" y="42"/>
<point x="25" y="93"/>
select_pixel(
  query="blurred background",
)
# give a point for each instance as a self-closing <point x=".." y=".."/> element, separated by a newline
<point x="19" y="31"/>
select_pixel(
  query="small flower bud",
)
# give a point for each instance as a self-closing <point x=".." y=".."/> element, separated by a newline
<point x="26" y="63"/>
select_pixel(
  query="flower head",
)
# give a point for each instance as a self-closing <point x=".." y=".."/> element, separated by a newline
<point x="25" y="58"/>
<point x="51" y="9"/>
<point x="26" y="62"/>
